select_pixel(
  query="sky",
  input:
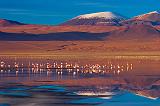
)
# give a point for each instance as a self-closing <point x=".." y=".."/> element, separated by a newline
<point x="53" y="12"/>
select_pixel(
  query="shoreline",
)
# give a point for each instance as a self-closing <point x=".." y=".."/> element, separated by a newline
<point x="86" y="55"/>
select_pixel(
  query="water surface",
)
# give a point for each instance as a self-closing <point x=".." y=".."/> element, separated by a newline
<point x="48" y="82"/>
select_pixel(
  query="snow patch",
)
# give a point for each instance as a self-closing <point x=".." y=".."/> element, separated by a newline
<point x="103" y="15"/>
<point x="153" y="12"/>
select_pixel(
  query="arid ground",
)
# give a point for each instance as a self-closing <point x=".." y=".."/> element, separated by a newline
<point x="81" y="48"/>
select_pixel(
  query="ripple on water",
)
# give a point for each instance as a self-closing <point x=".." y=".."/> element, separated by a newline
<point x="4" y="104"/>
<point x="14" y="94"/>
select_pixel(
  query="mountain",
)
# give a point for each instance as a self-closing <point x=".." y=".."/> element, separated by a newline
<point x="151" y="18"/>
<point x="6" y="23"/>
<point x="42" y="29"/>
<point x="139" y="32"/>
<point x="100" y="18"/>
<point x="133" y="32"/>
<point x="96" y="26"/>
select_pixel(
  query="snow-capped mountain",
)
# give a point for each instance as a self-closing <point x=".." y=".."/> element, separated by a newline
<point x="104" y="15"/>
<point x="151" y="18"/>
<point x="100" y="18"/>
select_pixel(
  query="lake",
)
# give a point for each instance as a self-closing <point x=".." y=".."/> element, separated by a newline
<point x="43" y="81"/>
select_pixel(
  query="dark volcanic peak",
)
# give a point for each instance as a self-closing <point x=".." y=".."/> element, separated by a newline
<point x="140" y="32"/>
<point x="6" y="23"/>
<point x="100" y="18"/>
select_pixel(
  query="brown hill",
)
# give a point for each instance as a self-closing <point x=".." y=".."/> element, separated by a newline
<point x="17" y="31"/>
<point x="42" y="29"/>
<point x="139" y="32"/>
<point x="6" y="23"/>
<point x="133" y="32"/>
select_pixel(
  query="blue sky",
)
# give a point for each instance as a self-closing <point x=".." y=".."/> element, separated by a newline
<point x="53" y="12"/>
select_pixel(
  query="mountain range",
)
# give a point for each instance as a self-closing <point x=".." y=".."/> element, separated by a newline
<point x="94" y="26"/>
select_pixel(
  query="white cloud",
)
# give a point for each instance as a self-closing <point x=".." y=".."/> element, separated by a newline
<point x="102" y="5"/>
<point x="12" y="10"/>
<point x="38" y="14"/>
<point x="97" y="4"/>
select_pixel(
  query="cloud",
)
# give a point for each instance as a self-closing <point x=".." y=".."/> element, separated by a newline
<point x="38" y="14"/>
<point x="12" y="10"/>
<point x="97" y="4"/>
<point x="102" y="5"/>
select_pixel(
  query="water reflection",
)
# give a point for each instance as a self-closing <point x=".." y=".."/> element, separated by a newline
<point x="79" y="83"/>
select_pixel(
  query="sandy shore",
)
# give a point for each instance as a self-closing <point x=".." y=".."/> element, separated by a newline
<point x="80" y="48"/>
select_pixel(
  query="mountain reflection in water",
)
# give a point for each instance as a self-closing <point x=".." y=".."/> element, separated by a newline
<point x="47" y="82"/>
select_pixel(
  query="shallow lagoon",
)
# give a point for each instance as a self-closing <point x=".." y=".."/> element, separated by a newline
<point x="45" y="82"/>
